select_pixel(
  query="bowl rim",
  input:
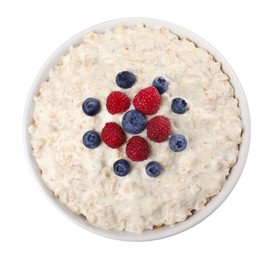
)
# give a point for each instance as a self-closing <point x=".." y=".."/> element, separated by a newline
<point x="213" y="204"/>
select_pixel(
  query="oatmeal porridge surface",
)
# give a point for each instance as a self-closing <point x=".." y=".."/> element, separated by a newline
<point x="83" y="178"/>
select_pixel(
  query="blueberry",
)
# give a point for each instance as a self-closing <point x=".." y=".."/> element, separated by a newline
<point x="177" y="143"/>
<point x="125" y="79"/>
<point x="91" y="106"/>
<point x="178" y="106"/>
<point x="91" y="139"/>
<point x="121" y="167"/>
<point x="161" y="84"/>
<point x="134" y="122"/>
<point x="153" y="169"/>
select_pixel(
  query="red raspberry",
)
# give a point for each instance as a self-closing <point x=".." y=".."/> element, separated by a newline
<point x="158" y="129"/>
<point x="147" y="101"/>
<point x="117" y="102"/>
<point x="113" y="135"/>
<point x="137" y="148"/>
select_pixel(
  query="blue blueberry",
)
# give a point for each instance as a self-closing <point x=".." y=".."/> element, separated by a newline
<point x="153" y="169"/>
<point x="91" y="106"/>
<point x="125" y="79"/>
<point x="121" y="167"/>
<point x="134" y="122"/>
<point x="91" y="139"/>
<point x="178" y="106"/>
<point x="161" y="84"/>
<point x="177" y="143"/>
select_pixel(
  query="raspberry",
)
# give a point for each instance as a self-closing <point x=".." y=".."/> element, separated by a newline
<point x="113" y="135"/>
<point x="158" y="129"/>
<point x="137" y="149"/>
<point x="147" y="101"/>
<point x="117" y="102"/>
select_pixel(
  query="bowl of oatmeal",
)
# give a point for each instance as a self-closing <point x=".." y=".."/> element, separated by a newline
<point x="146" y="180"/>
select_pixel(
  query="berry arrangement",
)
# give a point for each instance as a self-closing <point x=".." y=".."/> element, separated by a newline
<point x="146" y="102"/>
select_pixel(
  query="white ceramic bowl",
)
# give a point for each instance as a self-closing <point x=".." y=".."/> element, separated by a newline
<point x="213" y="204"/>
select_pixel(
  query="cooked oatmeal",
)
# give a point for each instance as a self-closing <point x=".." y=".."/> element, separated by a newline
<point x="83" y="178"/>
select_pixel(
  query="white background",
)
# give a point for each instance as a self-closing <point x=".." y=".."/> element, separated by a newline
<point x="31" y="228"/>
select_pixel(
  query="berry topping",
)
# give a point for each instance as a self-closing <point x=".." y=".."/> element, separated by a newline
<point x="137" y="148"/>
<point x="91" y="139"/>
<point x="113" y="135"/>
<point x="91" y="106"/>
<point x="153" y="169"/>
<point x="117" y="102"/>
<point x="177" y="143"/>
<point x="147" y="101"/>
<point x="178" y="106"/>
<point x="161" y="84"/>
<point x="158" y="129"/>
<point x="134" y="122"/>
<point x="121" y="167"/>
<point x="125" y="79"/>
